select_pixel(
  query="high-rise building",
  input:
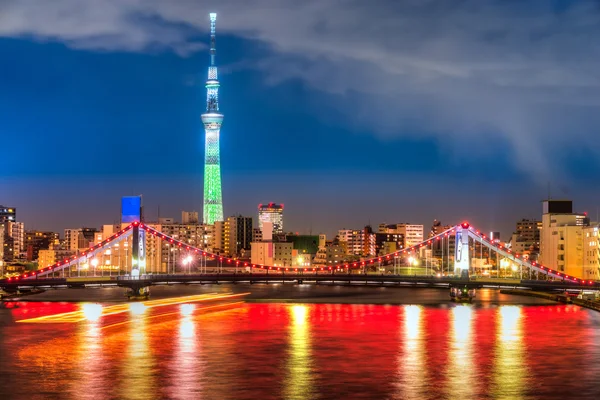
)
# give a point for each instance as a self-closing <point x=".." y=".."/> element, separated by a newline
<point x="271" y="213"/>
<point x="71" y="238"/>
<point x="18" y="237"/>
<point x="526" y="238"/>
<point x="8" y="215"/>
<point x="212" y="120"/>
<point x="561" y="238"/>
<point x="240" y="234"/>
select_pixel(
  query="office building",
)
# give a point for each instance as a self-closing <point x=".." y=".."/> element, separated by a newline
<point x="561" y="238"/>
<point x="526" y="238"/>
<point x="240" y="234"/>
<point x="271" y="213"/>
<point x="8" y="215"/>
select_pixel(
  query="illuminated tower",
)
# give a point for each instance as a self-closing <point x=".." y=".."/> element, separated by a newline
<point x="212" y="120"/>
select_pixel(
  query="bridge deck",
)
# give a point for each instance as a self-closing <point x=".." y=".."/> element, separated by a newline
<point x="333" y="279"/>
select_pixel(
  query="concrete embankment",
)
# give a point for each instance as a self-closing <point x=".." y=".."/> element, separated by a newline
<point x="558" y="297"/>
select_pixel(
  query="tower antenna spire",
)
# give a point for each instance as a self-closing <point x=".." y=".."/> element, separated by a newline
<point x="213" y="38"/>
<point x="212" y="120"/>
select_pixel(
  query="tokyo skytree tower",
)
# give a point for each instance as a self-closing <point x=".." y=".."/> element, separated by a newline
<point x="212" y="120"/>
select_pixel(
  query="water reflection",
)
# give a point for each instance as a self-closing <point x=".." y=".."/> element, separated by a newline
<point x="303" y="351"/>
<point x="91" y="311"/>
<point x="299" y="381"/>
<point x="509" y="369"/>
<point x="410" y="361"/>
<point x="187" y="365"/>
<point x="91" y="371"/>
<point x="137" y="372"/>
<point x="461" y="382"/>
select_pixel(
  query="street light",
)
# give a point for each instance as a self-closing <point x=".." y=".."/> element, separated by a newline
<point x="187" y="261"/>
<point x="94" y="264"/>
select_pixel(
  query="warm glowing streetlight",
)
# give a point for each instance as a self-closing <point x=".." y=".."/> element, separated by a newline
<point x="94" y="264"/>
<point x="187" y="261"/>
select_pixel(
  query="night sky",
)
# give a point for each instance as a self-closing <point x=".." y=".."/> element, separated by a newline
<point x="348" y="112"/>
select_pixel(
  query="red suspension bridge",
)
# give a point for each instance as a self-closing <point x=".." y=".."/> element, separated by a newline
<point x="458" y="266"/>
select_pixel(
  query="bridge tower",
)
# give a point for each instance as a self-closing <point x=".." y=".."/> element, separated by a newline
<point x="212" y="120"/>
<point x="461" y="252"/>
<point x="138" y="250"/>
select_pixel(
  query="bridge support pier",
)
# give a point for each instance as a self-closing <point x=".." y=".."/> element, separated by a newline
<point x="138" y="292"/>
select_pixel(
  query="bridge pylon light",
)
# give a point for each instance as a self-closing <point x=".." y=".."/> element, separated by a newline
<point x="465" y="225"/>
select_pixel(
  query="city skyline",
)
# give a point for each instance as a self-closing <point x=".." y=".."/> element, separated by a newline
<point x="296" y="133"/>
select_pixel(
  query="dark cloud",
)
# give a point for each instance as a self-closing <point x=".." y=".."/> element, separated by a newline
<point x="478" y="75"/>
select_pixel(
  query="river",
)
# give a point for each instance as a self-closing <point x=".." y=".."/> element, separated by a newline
<point x="296" y="342"/>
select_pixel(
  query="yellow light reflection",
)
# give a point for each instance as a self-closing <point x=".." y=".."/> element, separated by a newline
<point x="187" y="309"/>
<point x="133" y="308"/>
<point x="91" y="369"/>
<point x="138" y="364"/>
<point x="299" y="382"/>
<point x="461" y="374"/>
<point x="187" y="366"/>
<point x="410" y="360"/>
<point x="509" y="367"/>
<point x="137" y="308"/>
<point x="92" y="312"/>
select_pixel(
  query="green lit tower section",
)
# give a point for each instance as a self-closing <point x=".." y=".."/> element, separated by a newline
<point x="212" y="120"/>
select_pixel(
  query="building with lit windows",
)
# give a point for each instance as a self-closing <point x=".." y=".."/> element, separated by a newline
<point x="48" y="257"/>
<point x="271" y="213"/>
<point x="413" y="234"/>
<point x="353" y="240"/>
<point x="196" y="235"/>
<point x="233" y="235"/>
<point x="38" y="240"/>
<point x="526" y="238"/>
<point x="240" y="234"/>
<point x="562" y="238"/>
<point x="8" y="215"/>
<point x="591" y="252"/>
